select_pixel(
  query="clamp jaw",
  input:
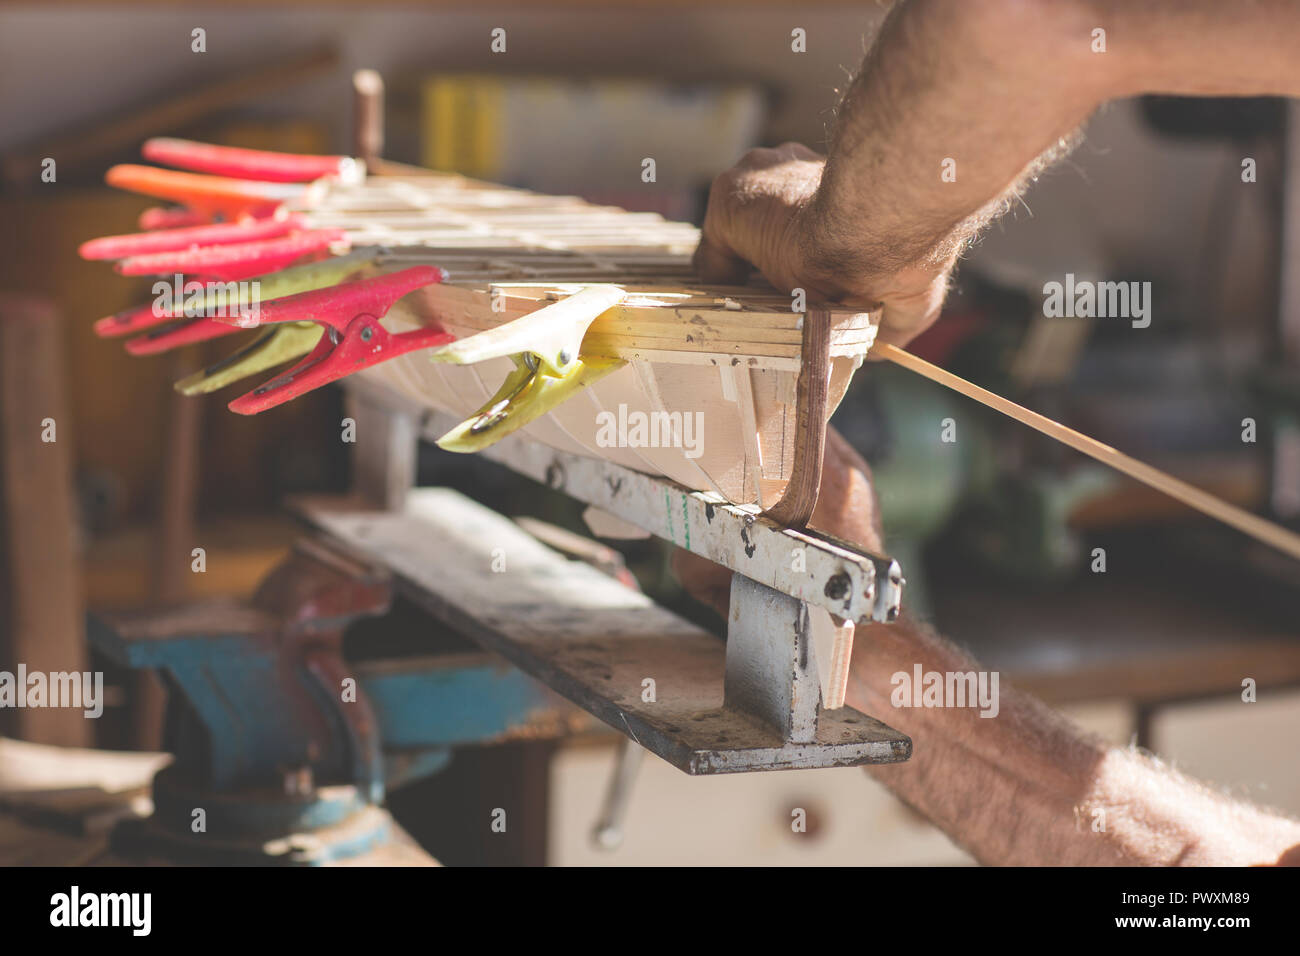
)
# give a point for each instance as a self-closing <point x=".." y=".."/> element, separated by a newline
<point x="353" y="338"/>
<point x="549" y="366"/>
<point x="183" y="324"/>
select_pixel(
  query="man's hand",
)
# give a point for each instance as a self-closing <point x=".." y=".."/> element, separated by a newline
<point x="957" y="107"/>
<point x="949" y="116"/>
<point x="762" y="214"/>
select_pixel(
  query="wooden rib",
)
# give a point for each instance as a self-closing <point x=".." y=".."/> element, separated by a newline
<point x="1253" y="525"/>
<point x="649" y="386"/>
<point x="744" y="388"/>
<point x="796" y="506"/>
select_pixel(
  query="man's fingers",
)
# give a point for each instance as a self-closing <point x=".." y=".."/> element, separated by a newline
<point x="898" y="330"/>
<point x="904" y="318"/>
<point x="899" y="336"/>
<point x="719" y="265"/>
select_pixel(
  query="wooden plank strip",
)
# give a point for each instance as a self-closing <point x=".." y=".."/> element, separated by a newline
<point x="1260" y="529"/>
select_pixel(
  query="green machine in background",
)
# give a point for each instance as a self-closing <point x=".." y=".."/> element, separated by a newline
<point x="938" y="470"/>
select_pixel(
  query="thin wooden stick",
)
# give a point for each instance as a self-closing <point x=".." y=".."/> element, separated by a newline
<point x="1258" y="528"/>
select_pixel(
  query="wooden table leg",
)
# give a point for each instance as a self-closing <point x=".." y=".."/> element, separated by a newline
<point x="46" y="619"/>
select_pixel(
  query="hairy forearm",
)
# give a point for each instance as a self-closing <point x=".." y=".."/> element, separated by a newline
<point x="949" y="112"/>
<point x="1027" y="787"/>
<point x="959" y="102"/>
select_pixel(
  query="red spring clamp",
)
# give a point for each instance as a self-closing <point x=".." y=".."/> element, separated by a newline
<point x="353" y="338"/>
<point x="131" y="320"/>
<point x="171" y="217"/>
<point x="166" y="328"/>
<point x="245" y="163"/>
<point x="190" y="237"/>
<point x="236" y="260"/>
<point x="178" y="332"/>
<point x="141" y="317"/>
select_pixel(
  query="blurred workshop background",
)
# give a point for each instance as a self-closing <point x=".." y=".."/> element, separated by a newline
<point x="997" y="532"/>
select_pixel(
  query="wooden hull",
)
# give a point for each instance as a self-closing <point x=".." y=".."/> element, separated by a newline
<point x="729" y="357"/>
<point x="711" y="420"/>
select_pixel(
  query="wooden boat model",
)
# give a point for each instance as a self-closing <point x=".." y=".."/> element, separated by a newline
<point x="605" y="342"/>
<point x="705" y="385"/>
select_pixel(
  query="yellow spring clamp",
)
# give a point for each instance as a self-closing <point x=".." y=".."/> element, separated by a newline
<point x="549" y="367"/>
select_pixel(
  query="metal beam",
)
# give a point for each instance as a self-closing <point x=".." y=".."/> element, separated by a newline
<point x="851" y="583"/>
<point x="611" y="650"/>
<point x="771" y="665"/>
